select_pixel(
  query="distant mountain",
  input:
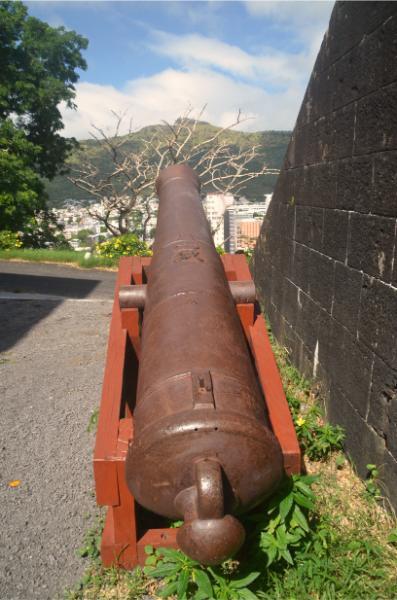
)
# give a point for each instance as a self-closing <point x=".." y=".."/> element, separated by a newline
<point x="273" y="145"/>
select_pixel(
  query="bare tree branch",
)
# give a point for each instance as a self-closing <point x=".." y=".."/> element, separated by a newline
<point x="222" y="165"/>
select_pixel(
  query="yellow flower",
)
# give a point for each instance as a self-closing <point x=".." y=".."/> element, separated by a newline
<point x="300" y="421"/>
<point x="14" y="483"/>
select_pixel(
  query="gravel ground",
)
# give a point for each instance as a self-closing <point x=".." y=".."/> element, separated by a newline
<point x="51" y="369"/>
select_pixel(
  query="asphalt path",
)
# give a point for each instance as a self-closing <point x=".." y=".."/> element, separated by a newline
<point x="53" y="333"/>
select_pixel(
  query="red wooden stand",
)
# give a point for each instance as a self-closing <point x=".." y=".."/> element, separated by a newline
<point x="128" y="527"/>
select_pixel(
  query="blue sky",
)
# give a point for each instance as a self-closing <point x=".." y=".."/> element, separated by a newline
<point x="151" y="60"/>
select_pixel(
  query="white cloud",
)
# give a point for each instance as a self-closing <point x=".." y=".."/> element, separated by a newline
<point x="306" y="21"/>
<point x="167" y="94"/>
<point x="272" y="67"/>
<point x="268" y="85"/>
<point x="294" y="15"/>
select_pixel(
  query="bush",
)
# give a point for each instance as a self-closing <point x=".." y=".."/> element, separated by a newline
<point x="124" y="245"/>
<point x="9" y="240"/>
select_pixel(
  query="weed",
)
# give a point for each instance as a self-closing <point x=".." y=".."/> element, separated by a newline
<point x="282" y="524"/>
<point x="372" y="490"/>
<point x="317" y="438"/>
<point x="92" y="542"/>
<point x="93" y="421"/>
<point x="185" y="578"/>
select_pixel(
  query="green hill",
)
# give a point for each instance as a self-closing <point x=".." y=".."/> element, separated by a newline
<point x="273" y="145"/>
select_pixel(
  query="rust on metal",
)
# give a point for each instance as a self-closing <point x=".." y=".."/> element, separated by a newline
<point x="203" y="449"/>
<point x="132" y="296"/>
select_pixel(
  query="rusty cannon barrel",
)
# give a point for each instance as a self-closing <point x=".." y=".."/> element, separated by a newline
<point x="202" y="449"/>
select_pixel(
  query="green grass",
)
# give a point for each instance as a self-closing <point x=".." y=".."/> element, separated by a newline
<point x="59" y="256"/>
<point x="343" y="546"/>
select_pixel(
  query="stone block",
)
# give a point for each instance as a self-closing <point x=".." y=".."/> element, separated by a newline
<point x="323" y="347"/>
<point x="325" y="138"/>
<point x="305" y="361"/>
<point x="377" y="326"/>
<point x="305" y="140"/>
<point x="319" y="186"/>
<point x="346" y="305"/>
<point x="350" y="22"/>
<point x="289" y="303"/>
<point x="380" y="51"/>
<point x="354" y="184"/>
<point x="290" y="340"/>
<point x="388" y="477"/>
<point x="371" y="245"/>
<point x="284" y="187"/>
<point x="300" y="266"/>
<point x="321" y="93"/>
<point x="382" y="415"/>
<point x="361" y="443"/>
<point x="277" y="287"/>
<point x="376" y="124"/>
<point x="350" y="366"/>
<point x="274" y="319"/>
<point x="384" y="188"/>
<point x="309" y="226"/>
<point x="286" y="220"/>
<point x="307" y="320"/>
<point x="342" y="123"/>
<point x="321" y="280"/>
<point x="335" y="233"/>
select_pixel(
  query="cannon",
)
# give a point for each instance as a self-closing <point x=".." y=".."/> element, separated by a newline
<point x="203" y="450"/>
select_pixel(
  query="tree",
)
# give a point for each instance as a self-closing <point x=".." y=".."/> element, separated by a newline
<point x="122" y="192"/>
<point x="38" y="70"/>
<point x="84" y="236"/>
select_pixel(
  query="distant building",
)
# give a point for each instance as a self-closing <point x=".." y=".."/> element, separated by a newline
<point x="215" y="206"/>
<point x="243" y="223"/>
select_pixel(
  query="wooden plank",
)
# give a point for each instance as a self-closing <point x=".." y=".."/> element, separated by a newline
<point x="158" y="538"/>
<point x="241" y="268"/>
<point x="108" y="423"/>
<point x="130" y="322"/>
<point x="228" y="265"/>
<point x="246" y="312"/>
<point x="277" y="405"/>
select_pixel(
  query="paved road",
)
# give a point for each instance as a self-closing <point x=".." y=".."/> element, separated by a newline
<point x="53" y="332"/>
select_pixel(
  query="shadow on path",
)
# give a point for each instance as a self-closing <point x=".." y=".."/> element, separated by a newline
<point x="42" y="284"/>
<point x="26" y="313"/>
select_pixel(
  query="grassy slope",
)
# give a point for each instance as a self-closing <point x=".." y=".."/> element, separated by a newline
<point x="273" y="144"/>
<point x="58" y="256"/>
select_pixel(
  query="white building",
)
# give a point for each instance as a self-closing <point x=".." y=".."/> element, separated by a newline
<point x="215" y="206"/>
<point x="243" y="223"/>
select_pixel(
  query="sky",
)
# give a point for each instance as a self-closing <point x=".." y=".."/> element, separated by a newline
<point x="152" y="61"/>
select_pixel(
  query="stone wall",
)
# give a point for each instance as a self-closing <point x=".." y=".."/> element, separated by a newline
<point x="325" y="264"/>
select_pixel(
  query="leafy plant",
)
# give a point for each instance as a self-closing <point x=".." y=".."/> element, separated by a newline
<point x="186" y="578"/>
<point x="317" y="438"/>
<point x="283" y="524"/>
<point x="392" y="537"/>
<point x="93" y="421"/>
<point x="371" y="488"/>
<point x="123" y="245"/>
<point x="9" y="240"/>
<point x="92" y="542"/>
<point x="226" y="588"/>
<point x="39" y="67"/>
